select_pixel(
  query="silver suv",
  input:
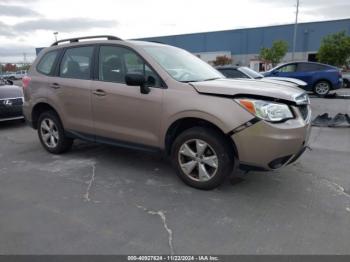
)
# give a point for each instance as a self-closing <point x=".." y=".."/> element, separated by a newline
<point x="161" y="98"/>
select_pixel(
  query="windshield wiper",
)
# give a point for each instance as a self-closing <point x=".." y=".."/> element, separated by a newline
<point x="210" y="79"/>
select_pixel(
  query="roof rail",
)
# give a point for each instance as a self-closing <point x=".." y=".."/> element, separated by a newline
<point x="76" y="39"/>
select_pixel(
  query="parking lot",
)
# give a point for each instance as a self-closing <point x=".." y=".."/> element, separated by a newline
<point x="99" y="199"/>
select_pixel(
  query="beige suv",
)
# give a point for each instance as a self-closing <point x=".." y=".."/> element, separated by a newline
<point x="156" y="97"/>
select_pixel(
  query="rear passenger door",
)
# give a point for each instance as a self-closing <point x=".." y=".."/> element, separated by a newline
<point x="121" y="112"/>
<point x="70" y="90"/>
<point x="307" y="71"/>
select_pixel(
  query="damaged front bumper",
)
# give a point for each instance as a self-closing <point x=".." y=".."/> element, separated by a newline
<point x="268" y="146"/>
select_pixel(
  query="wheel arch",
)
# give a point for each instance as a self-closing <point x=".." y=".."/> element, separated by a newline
<point x="182" y="124"/>
<point x="323" y="80"/>
<point x="38" y="109"/>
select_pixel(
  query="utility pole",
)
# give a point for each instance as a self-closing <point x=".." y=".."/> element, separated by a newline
<point x="295" y="30"/>
<point x="24" y="58"/>
<point x="55" y="34"/>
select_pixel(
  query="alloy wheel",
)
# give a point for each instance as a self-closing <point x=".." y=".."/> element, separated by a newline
<point x="322" y="88"/>
<point x="49" y="133"/>
<point x="198" y="160"/>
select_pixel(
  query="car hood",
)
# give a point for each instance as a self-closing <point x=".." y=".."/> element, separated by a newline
<point x="234" y="87"/>
<point x="7" y="91"/>
<point x="288" y="80"/>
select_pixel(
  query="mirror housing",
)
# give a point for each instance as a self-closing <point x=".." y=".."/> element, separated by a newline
<point x="133" y="79"/>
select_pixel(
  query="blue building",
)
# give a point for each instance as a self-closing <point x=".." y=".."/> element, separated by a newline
<point x="243" y="45"/>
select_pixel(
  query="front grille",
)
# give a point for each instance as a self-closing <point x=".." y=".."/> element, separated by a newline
<point x="11" y="107"/>
<point x="304" y="110"/>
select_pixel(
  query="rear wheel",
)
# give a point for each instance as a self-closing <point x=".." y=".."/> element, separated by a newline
<point x="51" y="133"/>
<point x="322" y="88"/>
<point x="202" y="157"/>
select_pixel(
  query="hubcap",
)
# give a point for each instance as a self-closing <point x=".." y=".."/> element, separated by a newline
<point x="322" y="88"/>
<point x="49" y="133"/>
<point x="198" y="160"/>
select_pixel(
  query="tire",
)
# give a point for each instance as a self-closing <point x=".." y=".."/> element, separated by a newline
<point x="54" y="130"/>
<point x="205" y="170"/>
<point x="322" y="88"/>
<point x="346" y="83"/>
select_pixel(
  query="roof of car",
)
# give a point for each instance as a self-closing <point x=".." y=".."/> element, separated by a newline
<point x="306" y="62"/>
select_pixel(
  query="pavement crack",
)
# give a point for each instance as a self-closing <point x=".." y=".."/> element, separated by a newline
<point x="90" y="183"/>
<point x="162" y="216"/>
<point x="338" y="188"/>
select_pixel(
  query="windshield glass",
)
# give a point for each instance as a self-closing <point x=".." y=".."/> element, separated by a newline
<point x="181" y="65"/>
<point x="251" y="72"/>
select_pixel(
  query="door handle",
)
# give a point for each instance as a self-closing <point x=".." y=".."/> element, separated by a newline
<point x="99" y="92"/>
<point x="55" y="86"/>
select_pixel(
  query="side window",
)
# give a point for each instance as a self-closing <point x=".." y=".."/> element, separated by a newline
<point x="304" y="67"/>
<point x="287" y="68"/>
<point x="47" y="62"/>
<point x="76" y="63"/>
<point x="115" y="62"/>
<point x="232" y="73"/>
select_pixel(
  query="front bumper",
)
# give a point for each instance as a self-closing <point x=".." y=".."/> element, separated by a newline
<point x="270" y="146"/>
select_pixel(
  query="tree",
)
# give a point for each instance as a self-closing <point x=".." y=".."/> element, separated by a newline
<point x="335" y="49"/>
<point x="222" y="60"/>
<point x="274" y="54"/>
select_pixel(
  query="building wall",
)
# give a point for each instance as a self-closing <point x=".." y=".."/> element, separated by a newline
<point x="245" y="44"/>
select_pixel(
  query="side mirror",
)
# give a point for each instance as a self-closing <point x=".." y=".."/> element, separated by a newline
<point x="10" y="82"/>
<point x="137" y="80"/>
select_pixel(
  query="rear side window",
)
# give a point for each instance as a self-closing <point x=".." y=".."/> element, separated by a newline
<point x="76" y="63"/>
<point x="304" y="67"/>
<point x="46" y="64"/>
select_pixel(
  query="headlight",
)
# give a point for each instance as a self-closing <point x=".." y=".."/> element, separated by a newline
<point x="269" y="111"/>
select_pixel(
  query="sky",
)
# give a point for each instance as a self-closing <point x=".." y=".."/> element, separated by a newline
<point x="26" y="24"/>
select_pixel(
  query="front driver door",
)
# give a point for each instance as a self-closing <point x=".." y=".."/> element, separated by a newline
<point x="121" y="112"/>
<point x="286" y="71"/>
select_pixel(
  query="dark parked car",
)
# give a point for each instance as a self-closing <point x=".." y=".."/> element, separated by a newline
<point x="11" y="101"/>
<point x="320" y="78"/>
<point x="245" y="72"/>
<point x="346" y="79"/>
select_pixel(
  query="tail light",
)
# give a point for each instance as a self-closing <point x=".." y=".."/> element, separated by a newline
<point x="340" y="74"/>
<point x="26" y="81"/>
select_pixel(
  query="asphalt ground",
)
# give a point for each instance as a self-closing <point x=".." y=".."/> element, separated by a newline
<point x="99" y="199"/>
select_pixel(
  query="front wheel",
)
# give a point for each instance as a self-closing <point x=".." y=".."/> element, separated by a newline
<point x="51" y="133"/>
<point x="202" y="157"/>
<point x="322" y="88"/>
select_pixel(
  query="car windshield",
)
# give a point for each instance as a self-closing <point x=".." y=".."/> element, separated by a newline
<point x="182" y="65"/>
<point x="250" y="72"/>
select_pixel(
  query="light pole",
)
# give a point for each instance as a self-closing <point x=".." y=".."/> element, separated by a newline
<point x="55" y="34"/>
<point x="295" y="30"/>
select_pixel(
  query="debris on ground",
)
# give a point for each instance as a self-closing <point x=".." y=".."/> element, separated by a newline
<point x="340" y="120"/>
<point x="332" y="96"/>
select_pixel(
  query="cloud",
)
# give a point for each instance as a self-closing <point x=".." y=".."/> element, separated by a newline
<point x="63" y="25"/>
<point x="17" y="1"/>
<point x="17" y="50"/>
<point x="17" y="11"/>
<point x="315" y="8"/>
<point x="5" y="30"/>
